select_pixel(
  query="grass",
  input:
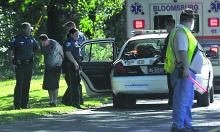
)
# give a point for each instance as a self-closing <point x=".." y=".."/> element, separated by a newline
<point x="38" y="101"/>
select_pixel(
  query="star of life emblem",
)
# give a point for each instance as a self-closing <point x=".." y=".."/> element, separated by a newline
<point x="137" y="9"/>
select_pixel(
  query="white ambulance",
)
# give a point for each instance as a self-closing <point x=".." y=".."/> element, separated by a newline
<point x="152" y="14"/>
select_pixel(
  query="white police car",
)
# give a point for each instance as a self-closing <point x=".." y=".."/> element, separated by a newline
<point x="131" y="74"/>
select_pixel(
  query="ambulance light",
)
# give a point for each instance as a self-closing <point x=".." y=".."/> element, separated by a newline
<point x="213" y="22"/>
<point x="138" y="24"/>
<point x="214" y="49"/>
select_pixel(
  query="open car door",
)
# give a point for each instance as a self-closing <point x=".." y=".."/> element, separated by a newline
<point x="98" y="57"/>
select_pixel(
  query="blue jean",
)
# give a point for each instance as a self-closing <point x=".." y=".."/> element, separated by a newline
<point x="182" y="100"/>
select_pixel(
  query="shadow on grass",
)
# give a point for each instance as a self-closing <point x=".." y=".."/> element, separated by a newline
<point x="8" y="118"/>
<point x="37" y="110"/>
<point x="33" y="103"/>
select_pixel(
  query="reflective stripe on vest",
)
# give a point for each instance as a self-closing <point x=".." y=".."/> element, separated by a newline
<point x="170" y="61"/>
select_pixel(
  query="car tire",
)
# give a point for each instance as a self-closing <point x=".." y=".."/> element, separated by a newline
<point x="211" y="92"/>
<point x="122" y="100"/>
<point x="203" y="100"/>
<point x="131" y="101"/>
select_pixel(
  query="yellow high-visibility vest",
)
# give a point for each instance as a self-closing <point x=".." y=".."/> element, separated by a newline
<point x="170" y="60"/>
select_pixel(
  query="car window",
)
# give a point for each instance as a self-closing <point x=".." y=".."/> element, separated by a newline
<point x="144" y="48"/>
<point x="97" y="52"/>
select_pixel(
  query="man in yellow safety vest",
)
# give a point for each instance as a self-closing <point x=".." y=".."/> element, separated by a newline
<point x="182" y="46"/>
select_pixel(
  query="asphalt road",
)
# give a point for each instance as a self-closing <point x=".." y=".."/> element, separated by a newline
<point x="146" y="116"/>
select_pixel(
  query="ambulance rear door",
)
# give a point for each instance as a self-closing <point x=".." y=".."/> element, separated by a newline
<point x="160" y="12"/>
<point x="197" y="7"/>
<point x="163" y="11"/>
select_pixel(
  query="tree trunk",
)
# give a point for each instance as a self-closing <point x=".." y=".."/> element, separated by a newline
<point x="54" y="23"/>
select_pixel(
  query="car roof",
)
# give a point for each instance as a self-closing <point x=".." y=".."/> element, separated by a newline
<point x="147" y="36"/>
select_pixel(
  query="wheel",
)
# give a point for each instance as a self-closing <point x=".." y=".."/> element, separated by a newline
<point x="211" y="92"/>
<point x="203" y="100"/>
<point x="131" y="101"/>
<point x="122" y="100"/>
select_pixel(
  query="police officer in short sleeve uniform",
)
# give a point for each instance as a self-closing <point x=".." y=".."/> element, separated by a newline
<point x="22" y="48"/>
<point x="73" y="54"/>
<point x="81" y="37"/>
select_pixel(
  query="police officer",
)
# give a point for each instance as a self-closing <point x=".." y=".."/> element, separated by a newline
<point x="81" y="37"/>
<point x="180" y="51"/>
<point x="23" y="47"/>
<point x="170" y="24"/>
<point x="73" y="54"/>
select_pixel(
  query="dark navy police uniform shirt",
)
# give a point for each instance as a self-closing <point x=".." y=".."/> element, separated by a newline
<point x="23" y="47"/>
<point x="74" y="45"/>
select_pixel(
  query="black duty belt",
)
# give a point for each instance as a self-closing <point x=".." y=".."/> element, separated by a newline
<point x="21" y="62"/>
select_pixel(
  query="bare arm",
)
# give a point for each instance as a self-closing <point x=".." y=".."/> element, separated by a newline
<point x="182" y="41"/>
<point x="185" y="64"/>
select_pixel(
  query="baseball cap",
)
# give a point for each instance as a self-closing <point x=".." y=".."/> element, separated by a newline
<point x="187" y="14"/>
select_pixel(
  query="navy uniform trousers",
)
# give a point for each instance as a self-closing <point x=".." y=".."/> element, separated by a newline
<point x="21" y="92"/>
<point x="72" y="94"/>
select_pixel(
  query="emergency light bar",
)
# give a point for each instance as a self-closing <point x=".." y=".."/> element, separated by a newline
<point x="142" y="32"/>
<point x="213" y="22"/>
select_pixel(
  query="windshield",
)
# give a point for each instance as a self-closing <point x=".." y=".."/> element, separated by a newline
<point x="144" y="48"/>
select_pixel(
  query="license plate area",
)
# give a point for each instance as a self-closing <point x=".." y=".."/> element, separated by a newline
<point x="153" y="70"/>
<point x="215" y="62"/>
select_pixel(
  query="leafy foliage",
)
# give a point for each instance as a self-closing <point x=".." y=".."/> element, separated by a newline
<point x="96" y="18"/>
<point x="97" y="52"/>
<point x="6" y="24"/>
<point x="94" y="14"/>
<point x="102" y="53"/>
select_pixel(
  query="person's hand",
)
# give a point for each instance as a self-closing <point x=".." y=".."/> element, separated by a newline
<point x="183" y="72"/>
<point x="186" y="72"/>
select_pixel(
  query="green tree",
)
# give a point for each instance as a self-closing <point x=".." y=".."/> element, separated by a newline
<point x="6" y="24"/>
<point x="93" y="17"/>
<point x="94" y="14"/>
